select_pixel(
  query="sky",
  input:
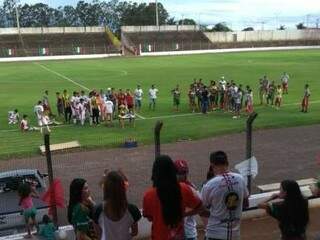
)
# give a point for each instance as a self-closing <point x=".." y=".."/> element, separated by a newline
<point x="238" y="14"/>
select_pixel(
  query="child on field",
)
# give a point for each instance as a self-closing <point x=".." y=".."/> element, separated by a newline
<point x="24" y="125"/>
<point x="26" y="191"/>
<point x="47" y="229"/>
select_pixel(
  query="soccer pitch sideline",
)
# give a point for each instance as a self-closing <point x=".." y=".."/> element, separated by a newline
<point x="23" y="84"/>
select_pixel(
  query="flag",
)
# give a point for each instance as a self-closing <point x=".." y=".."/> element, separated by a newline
<point x="54" y="195"/>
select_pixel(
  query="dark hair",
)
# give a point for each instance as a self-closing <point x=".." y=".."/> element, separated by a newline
<point x="46" y="219"/>
<point x="24" y="190"/>
<point x="295" y="212"/>
<point x="39" y="102"/>
<point x="115" y="195"/>
<point x="219" y="158"/>
<point x="24" y="116"/>
<point x="168" y="189"/>
<point x="75" y="192"/>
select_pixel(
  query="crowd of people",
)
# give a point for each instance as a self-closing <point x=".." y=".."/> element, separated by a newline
<point x="171" y="205"/>
<point x="105" y="106"/>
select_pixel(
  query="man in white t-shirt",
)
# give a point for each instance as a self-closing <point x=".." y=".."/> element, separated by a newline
<point x="109" y="111"/>
<point x="152" y="97"/>
<point x="138" y="93"/>
<point x="42" y="119"/>
<point x="225" y="195"/>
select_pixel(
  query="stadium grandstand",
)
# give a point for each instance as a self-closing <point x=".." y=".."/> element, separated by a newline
<point x="55" y="41"/>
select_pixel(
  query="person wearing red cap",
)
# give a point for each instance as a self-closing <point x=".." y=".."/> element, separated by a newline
<point x="190" y="223"/>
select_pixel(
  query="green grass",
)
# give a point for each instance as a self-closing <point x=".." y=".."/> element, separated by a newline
<point x="23" y="84"/>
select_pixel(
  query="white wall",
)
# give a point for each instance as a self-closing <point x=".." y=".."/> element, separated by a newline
<point x="161" y="28"/>
<point x="11" y="31"/>
<point x="267" y="35"/>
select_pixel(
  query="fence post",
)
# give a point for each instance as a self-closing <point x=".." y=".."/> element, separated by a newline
<point x="250" y="120"/>
<point x="157" y="130"/>
<point x="50" y="175"/>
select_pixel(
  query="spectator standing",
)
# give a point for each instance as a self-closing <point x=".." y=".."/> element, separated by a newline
<point x="26" y="193"/>
<point x="152" y="97"/>
<point x="117" y="219"/>
<point x="190" y="223"/>
<point x="165" y="203"/>
<point x="138" y="93"/>
<point x="59" y="103"/>
<point x="80" y="209"/>
<point x="291" y="212"/>
<point x="225" y="195"/>
<point x="176" y="98"/>
<point x="205" y="100"/>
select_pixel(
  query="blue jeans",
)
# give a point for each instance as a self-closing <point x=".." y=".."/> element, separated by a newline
<point x="204" y="106"/>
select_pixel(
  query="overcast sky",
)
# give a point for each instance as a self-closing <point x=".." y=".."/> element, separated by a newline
<point x="237" y="13"/>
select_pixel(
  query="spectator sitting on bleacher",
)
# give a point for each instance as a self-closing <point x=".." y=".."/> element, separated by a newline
<point x="225" y="195"/>
<point x="190" y="223"/>
<point x="292" y="212"/>
<point x="80" y="209"/>
<point x="166" y="202"/>
<point x="117" y="219"/>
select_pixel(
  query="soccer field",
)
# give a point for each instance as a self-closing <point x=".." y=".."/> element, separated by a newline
<point x="22" y="85"/>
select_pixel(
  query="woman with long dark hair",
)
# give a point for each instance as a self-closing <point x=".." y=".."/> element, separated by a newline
<point x="291" y="212"/>
<point x="117" y="219"/>
<point x="80" y="209"/>
<point x="165" y="203"/>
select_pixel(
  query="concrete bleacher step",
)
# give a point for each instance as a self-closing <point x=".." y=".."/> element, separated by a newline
<point x="60" y="146"/>
<point x="276" y="186"/>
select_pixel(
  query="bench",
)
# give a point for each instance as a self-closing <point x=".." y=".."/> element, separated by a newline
<point x="60" y="146"/>
<point x="276" y="186"/>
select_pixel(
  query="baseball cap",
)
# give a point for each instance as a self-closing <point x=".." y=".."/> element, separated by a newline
<point x="181" y="166"/>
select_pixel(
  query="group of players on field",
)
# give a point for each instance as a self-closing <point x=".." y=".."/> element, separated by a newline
<point x="100" y="106"/>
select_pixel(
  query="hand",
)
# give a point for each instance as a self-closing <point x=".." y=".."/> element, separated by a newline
<point x="274" y="196"/>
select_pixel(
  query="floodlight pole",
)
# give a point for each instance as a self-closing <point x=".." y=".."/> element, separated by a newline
<point x="157" y="14"/>
<point x="17" y="16"/>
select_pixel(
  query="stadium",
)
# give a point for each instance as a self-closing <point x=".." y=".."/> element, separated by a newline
<point x="174" y="89"/>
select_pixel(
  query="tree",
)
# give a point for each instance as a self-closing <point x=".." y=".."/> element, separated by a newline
<point x="247" y="29"/>
<point x="187" y="21"/>
<point x="282" y="27"/>
<point x="221" y="27"/>
<point x="9" y="13"/>
<point x="301" y="26"/>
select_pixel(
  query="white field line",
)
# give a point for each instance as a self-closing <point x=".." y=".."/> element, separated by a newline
<point x="62" y="76"/>
<point x="143" y="118"/>
<point x="74" y="82"/>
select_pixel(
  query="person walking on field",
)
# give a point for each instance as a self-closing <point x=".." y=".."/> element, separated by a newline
<point x="138" y="93"/>
<point x="278" y="101"/>
<point x="152" y="97"/>
<point x="285" y="82"/>
<point x="176" y="98"/>
<point x="305" y="100"/>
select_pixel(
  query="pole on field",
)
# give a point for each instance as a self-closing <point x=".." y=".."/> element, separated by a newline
<point x="50" y="175"/>
<point x="157" y="130"/>
<point x="250" y="121"/>
<point x="157" y="14"/>
<point x="17" y="16"/>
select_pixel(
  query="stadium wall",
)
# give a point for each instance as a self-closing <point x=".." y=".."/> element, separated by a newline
<point x="161" y="28"/>
<point x="227" y="50"/>
<point x="53" y="30"/>
<point x="266" y="35"/>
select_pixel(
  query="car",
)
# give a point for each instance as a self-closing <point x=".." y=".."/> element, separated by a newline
<point x="11" y="218"/>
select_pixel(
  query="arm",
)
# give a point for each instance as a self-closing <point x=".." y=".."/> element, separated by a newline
<point x="265" y="205"/>
<point x="134" y="230"/>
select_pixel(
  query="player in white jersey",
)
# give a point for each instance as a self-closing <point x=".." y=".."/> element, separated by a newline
<point x="13" y="117"/>
<point x="152" y="97"/>
<point x="109" y="111"/>
<point x="81" y="111"/>
<point x="42" y="119"/>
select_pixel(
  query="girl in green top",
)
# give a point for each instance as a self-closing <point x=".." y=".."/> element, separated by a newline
<point x="80" y="210"/>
